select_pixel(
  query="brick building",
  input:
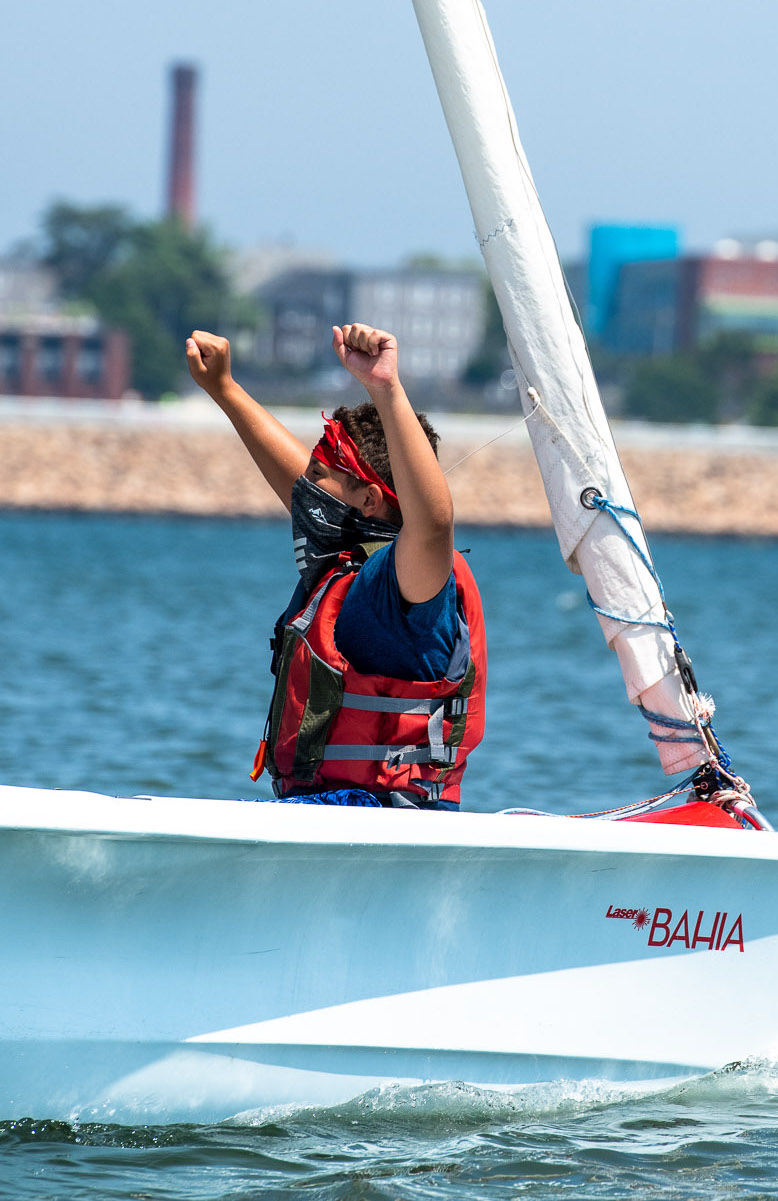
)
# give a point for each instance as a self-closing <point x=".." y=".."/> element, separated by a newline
<point x="736" y="292"/>
<point x="73" y="357"/>
<point x="676" y="304"/>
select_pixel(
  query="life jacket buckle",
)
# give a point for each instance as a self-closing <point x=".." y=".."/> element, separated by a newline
<point x="433" y="789"/>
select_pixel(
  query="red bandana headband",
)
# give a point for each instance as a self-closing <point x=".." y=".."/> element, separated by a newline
<point x="339" y="451"/>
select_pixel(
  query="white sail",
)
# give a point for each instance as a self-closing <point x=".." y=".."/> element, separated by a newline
<point x="566" y="421"/>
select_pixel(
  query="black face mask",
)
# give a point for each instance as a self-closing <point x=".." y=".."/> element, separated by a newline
<point x="323" y="526"/>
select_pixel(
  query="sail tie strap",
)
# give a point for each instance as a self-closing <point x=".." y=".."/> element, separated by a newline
<point x="591" y="498"/>
<point x="594" y="499"/>
<point x="672" y="723"/>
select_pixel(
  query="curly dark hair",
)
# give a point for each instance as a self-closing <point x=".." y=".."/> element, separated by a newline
<point x="363" y="424"/>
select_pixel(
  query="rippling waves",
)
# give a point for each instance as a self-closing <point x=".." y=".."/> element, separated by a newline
<point x="710" y="1138"/>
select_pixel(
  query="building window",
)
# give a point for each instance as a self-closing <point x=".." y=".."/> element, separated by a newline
<point x="421" y="327"/>
<point x="297" y="321"/>
<point x="458" y="297"/>
<point x="49" y="358"/>
<point x="385" y="294"/>
<point x="423" y="295"/>
<point x="420" y="363"/>
<point x="453" y="332"/>
<point x="10" y="357"/>
<point x="89" y="361"/>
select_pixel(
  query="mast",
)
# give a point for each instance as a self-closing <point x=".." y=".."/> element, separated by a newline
<point x="588" y="495"/>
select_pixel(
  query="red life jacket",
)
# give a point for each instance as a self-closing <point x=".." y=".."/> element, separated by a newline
<point x="332" y="726"/>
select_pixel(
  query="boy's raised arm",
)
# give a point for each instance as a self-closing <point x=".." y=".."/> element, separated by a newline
<point x="425" y="544"/>
<point x="277" y="453"/>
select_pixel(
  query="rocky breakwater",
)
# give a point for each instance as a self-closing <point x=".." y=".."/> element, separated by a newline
<point x="187" y="460"/>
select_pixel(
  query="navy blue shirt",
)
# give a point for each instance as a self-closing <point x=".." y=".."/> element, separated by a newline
<point x="380" y="633"/>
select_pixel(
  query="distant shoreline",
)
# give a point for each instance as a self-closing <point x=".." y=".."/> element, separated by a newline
<point x="281" y="519"/>
<point x="187" y="461"/>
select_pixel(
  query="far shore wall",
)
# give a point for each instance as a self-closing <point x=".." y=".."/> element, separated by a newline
<point x="202" y="468"/>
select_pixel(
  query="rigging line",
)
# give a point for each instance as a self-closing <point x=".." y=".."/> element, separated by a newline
<point x="496" y="438"/>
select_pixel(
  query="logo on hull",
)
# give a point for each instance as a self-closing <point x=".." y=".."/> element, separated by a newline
<point x="690" y="929"/>
<point x="638" y="917"/>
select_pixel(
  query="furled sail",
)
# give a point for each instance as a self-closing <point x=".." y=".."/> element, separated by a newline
<point x="565" y="418"/>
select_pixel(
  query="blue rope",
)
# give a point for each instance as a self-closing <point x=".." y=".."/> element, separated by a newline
<point x="675" y="723"/>
<point x="606" y="506"/>
<point x="633" y="621"/>
<point x="670" y="723"/>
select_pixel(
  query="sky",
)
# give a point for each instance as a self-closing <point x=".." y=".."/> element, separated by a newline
<point x="319" y="125"/>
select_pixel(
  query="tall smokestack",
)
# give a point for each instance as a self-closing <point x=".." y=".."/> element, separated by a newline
<point x="181" y="185"/>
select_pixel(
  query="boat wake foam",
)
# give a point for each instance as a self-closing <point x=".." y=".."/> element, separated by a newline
<point x="438" y="1109"/>
<point x="750" y="1078"/>
<point x="459" y="1104"/>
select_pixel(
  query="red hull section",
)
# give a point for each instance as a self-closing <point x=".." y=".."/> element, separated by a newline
<point x="695" y="813"/>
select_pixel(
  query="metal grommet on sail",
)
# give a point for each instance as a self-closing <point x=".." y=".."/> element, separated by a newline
<point x="587" y="497"/>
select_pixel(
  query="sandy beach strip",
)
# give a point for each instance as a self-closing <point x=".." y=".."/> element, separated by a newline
<point x="186" y="459"/>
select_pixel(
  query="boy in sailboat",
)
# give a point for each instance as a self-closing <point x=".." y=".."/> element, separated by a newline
<point x="380" y="656"/>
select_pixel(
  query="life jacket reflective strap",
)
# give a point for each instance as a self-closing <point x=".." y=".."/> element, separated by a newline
<point x="437" y="707"/>
<point x="393" y="756"/>
<point x="453" y="705"/>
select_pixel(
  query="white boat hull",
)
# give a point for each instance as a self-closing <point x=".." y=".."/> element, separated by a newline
<point x="174" y="960"/>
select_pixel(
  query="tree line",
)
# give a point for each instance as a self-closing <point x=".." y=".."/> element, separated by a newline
<point x="157" y="280"/>
<point x="726" y="378"/>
